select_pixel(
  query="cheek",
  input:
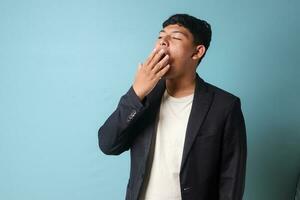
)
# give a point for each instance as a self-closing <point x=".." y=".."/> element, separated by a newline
<point x="181" y="50"/>
<point x="180" y="55"/>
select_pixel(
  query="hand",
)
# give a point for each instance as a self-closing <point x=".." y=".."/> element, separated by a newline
<point x="149" y="73"/>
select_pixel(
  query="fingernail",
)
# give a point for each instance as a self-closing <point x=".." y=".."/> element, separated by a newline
<point x="154" y="49"/>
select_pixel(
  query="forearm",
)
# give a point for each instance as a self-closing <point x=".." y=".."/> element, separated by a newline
<point x="117" y="132"/>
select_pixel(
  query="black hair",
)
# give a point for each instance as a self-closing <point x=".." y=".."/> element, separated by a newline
<point x="200" y="29"/>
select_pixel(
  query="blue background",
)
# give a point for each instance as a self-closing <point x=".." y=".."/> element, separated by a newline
<point x="65" y="64"/>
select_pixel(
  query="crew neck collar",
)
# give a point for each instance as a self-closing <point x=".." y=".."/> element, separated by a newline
<point x="177" y="99"/>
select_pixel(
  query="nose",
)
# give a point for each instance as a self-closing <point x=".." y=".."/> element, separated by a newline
<point x="163" y="42"/>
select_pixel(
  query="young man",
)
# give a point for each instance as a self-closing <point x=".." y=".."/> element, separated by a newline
<point x="187" y="138"/>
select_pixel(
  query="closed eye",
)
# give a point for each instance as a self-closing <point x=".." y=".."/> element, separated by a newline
<point x="176" y="38"/>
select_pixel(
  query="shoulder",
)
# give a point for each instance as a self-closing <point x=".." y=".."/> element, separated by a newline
<point x="221" y="93"/>
<point x="223" y="99"/>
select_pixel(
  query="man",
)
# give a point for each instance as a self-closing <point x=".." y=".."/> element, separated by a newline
<point x="187" y="138"/>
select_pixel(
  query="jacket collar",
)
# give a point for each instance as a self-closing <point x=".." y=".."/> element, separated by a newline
<point x="201" y="102"/>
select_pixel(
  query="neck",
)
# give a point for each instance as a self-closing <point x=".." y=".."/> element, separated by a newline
<point x="181" y="86"/>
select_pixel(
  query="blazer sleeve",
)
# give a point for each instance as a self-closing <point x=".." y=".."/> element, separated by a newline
<point x="234" y="155"/>
<point x="118" y="131"/>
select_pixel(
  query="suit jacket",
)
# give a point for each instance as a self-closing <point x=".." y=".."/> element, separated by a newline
<point x="213" y="163"/>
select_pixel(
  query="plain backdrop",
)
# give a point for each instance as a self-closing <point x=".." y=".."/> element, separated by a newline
<point x="65" y="64"/>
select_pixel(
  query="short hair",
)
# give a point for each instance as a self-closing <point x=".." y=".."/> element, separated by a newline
<point x="200" y="29"/>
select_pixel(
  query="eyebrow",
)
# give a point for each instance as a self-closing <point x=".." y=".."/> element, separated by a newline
<point x="163" y="31"/>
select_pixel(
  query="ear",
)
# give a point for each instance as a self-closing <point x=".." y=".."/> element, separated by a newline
<point x="200" y="50"/>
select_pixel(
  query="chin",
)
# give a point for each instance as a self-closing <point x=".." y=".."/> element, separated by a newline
<point x="169" y="75"/>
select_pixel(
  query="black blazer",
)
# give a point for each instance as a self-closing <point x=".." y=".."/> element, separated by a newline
<point x="213" y="164"/>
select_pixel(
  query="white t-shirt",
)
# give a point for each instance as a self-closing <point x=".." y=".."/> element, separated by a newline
<point x="163" y="178"/>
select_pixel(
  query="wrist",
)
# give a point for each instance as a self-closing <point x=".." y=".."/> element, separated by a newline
<point x="138" y="93"/>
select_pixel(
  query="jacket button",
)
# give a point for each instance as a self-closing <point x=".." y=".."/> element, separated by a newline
<point x="133" y="112"/>
<point x="131" y="115"/>
<point x="186" y="189"/>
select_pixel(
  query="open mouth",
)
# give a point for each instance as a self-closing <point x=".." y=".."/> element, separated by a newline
<point x="162" y="56"/>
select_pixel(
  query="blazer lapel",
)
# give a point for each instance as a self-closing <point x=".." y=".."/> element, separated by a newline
<point x="200" y="106"/>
